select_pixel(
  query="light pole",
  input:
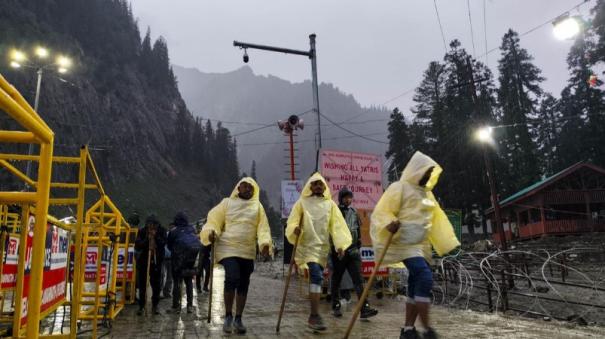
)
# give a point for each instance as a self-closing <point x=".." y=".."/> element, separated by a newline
<point x="19" y="59"/>
<point x="312" y="55"/>
<point x="484" y="136"/>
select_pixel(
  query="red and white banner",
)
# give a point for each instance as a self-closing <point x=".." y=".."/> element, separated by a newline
<point x="54" y="279"/>
<point x="10" y="262"/>
<point x="368" y="264"/>
<point x="129" y="265"/>
<point x="90" y="269"/>
<point x="360" y="172"/>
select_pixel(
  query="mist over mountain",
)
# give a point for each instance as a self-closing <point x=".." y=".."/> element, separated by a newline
<point x="244" y="101"/>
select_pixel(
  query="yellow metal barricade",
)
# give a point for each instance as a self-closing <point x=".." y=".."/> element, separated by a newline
<point x="25" y="213"/>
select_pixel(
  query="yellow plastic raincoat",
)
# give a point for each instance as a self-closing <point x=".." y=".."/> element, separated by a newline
<point x="239" y="224"/>
<point x="321" y="219"/>
<point x="423" y="222"/>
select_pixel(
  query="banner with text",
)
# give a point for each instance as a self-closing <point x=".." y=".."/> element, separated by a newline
<point x="360" y="172"/>
<point x="54" y="279"/>
<point x="368" y="264"/>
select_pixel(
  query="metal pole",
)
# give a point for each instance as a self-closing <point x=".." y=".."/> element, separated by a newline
<point x="313" y="58"/>
<point x="39" y="242"/>
<point x="292" y="176"/>
<point x="30" y="149"/>
<point x="495" y="202"/>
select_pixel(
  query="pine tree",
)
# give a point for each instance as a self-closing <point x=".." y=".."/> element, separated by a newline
<point x="518" y="99"/>
<point x="429" y="108"/>
<point x="400" y="148"/>
<point x="547" y="130"/>
<point x="582" y="108"/>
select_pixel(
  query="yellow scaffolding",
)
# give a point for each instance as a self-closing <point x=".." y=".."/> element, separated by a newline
<point x="102" y="225"/>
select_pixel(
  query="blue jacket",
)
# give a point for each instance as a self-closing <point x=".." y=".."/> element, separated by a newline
<point x="183" y="236"/>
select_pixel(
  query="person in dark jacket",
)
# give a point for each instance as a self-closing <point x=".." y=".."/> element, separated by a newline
<point x="203" y="270"/>
<point x="167" y="269"/>
<point x="351" y="261"/>
<point x="184" y="245"/>
<point x="151" y="239"/>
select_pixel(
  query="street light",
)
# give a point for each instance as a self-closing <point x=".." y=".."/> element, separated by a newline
<point x="484" y="136"/>
<point x="566" y="27"/>
<point x="40" y="64"/>
<point x="312" y="55"/>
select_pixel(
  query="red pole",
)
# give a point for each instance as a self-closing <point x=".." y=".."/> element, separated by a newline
<point x="291" y="134"/>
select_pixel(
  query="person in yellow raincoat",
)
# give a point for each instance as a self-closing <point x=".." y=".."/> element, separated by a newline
<point x="409" y="210"/>
<point x="236" y="226"/>
<point x="315" y="218"/>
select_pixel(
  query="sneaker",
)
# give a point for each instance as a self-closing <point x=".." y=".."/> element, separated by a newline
<point x="141" y="311"/>
<point x="206" y="289"/>
<point x="190" y="309"/>
<point x="228" y="324"/>
<point x="155" y="310"/>
<point x="336" y="310"/>
<point x="316" y="323"/>
<point x="199" y="291"/>
<point x="409" y="334"/>
<point x="367" y="312"/>
<point x="238" y="326"/>
<point x="430" y="334"/>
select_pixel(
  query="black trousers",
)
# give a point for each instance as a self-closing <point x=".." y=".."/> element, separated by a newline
<point x="155" y="274"/>
<point x="177" y="281"/>
<point x="351" y="262"/>
<point x="203" y="272"/>
<point x="237" y="274"/>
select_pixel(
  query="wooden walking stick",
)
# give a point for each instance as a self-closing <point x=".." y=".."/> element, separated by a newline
<point x="148" y="278"/>
<point x="210" y="281"/>
<point x="283" y="300"/>
<point x="366" y="290"/>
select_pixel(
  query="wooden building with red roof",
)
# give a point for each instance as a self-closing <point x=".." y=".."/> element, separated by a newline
<point x="569" y="202"/>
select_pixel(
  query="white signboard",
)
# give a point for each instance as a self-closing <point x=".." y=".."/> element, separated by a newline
<point x="290" y="192"/>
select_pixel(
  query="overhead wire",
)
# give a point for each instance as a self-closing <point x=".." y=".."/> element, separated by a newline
<point x="353" y="133"/>
<point x="440" y="26"/>
<point x="496" y="48"/>
<point x="485" y="32"/>
<point x="266" y="126"/>
<point x="549" y="21"/>
<point x="470" y="20"/>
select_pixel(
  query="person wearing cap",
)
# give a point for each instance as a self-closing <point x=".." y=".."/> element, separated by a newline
<point x="351" y="261"/>
<point x="150" y="240"/>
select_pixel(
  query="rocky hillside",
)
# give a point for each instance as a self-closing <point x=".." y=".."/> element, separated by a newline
<point x="121" y="98"/>
<point x="245" y="101"/>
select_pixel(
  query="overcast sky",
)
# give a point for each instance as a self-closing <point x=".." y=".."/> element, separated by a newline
<point x="373" y="49"/>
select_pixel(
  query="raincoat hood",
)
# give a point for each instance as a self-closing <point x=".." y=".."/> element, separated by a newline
<point x="255" y="195"/>
<point x="306" y="192"/>
<point x="181" y="220"/>
<point x="152" y="219"/>
<point x="417" y="167"/>
<point x="343" y="193"/>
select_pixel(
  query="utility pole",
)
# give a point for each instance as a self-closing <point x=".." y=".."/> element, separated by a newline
<point x="488" y="164"/>
<point x="312" y="55"/>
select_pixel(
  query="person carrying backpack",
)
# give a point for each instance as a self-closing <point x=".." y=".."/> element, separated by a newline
<point x="184" y="245"/>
